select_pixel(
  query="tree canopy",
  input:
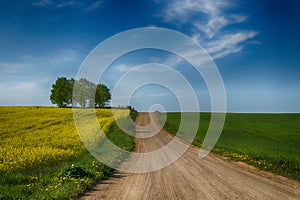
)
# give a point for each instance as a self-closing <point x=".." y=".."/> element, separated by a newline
<point x="61" y="93"/>
<point x="83" y="92"/>
<point x="102" y="95"/>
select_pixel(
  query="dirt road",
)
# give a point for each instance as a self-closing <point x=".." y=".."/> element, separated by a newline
<point x="193" y="178"/>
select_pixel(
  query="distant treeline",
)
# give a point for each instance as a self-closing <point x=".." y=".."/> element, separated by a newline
<point x="86" y="93"/>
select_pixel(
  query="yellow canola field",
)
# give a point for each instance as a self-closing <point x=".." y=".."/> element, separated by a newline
<point x="34" y="136"/>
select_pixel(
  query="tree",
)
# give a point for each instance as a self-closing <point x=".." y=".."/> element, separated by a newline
<point x="72" y="82"/>
<point x="102" y="95"/>
<point x="84" y="92"/>
<point x="61" y="93"/>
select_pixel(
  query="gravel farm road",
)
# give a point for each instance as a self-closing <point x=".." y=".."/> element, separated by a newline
<point x="190" y="177"/>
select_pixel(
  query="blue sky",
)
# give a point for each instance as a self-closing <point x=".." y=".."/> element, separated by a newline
<point x="254" y="44"/>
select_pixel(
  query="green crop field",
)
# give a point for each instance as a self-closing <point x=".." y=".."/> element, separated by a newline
<point x="42" y="157"/>
<point x="267" y="141"/>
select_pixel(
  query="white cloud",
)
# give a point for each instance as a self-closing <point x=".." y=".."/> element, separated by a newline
<point x="57" y="57"/>
<point x="63" y="4"/>
<point x="150" y="68"/>
<point x="66" y="4"/>
<point x="42" y="3"/>
<point x="218" y="48"/>
<point x="173" y="61"/>
<point x="238" y="18"/>
<point x="181" y="10"/>
<point x="229" y="41"/>
<point x="216" y="23"/>
<point x="227" y="52"/>
<point x="45" y="3"/>
<point x="148" y="93"/>
<point x="209" y="20"/>
<point x="13" y="67"/>
<point x="27" y="62"/>
<point x="64" y="56"/>
<point x="161" y="94"/>
<point x="24" y="93"/>
<point x="137" y="69"/>
<point x="93" y="6"/>
<point x="208" y="17"/>
<point x="122" y="68"/>
<point x="196" y="37"/>
<point x="18" y="83"/>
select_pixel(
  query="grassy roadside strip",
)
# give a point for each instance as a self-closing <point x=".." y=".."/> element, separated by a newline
<point x="281" y="166"/>
<point x="265" y="141"/>
<point x="67" y="179"/>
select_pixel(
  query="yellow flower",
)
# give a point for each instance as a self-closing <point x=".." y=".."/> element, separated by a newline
<point x="40" y="136"/>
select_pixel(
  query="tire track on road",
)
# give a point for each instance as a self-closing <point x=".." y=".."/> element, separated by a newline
<point x="189" y="177"/>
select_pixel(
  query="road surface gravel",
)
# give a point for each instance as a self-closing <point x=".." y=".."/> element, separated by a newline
<point x="190" y="177"/>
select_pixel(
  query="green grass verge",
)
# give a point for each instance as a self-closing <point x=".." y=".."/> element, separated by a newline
<point x="266" y="141"/>
<point x="64" y="180"/>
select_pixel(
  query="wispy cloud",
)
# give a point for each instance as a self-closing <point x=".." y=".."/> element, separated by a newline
<point x="57" y="57"/>
<point x="62" y="4"/>
<point x="93" y="6"/>
<point x="22" y="92"/>
<point x="13" y="67"/>
<point x="150" y="94"/>
<point x="122" y="68"/>
<point x="209" y="20"/>
<point x="42" y="3"/>
<point x="182" y="10"/>
<point x="216" y="23"/>
<point x="63" y="57"/>
<point x="66" y="4"/>
<point x="19" y="84"/>
<point x="207" y="16"/>
<point x="227" y="51"/>
<point x="229" y="43"/>
<point x="161" y="94"/>
<point x="145" y="68"/>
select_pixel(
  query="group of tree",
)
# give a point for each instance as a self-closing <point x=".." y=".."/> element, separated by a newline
<point x="86" y="93"/>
